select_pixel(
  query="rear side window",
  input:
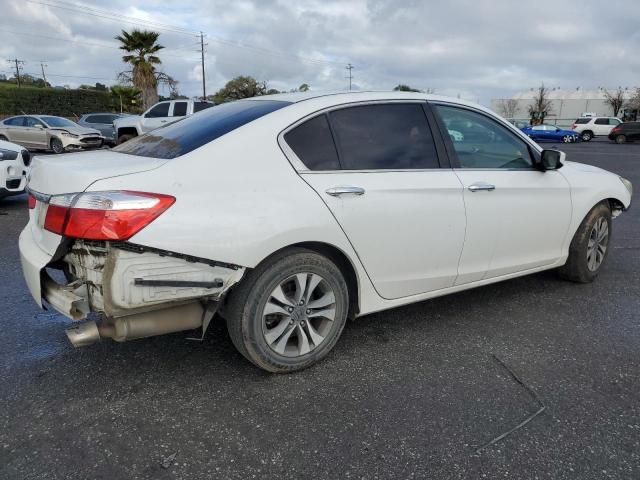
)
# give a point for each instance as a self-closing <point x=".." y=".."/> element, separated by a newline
<point x="390" y="136"/>
<point x="179" y="109"/>
<point x="602" y="121"/>
<point x="192" y="132"/>
<point x="15" y="122"/>
<point x="159" y="111"/>
<point x="581" y="121"/>
<point x="91" y="119"/>
<point x="313" y="144"/>
<point x="198" y="106"/>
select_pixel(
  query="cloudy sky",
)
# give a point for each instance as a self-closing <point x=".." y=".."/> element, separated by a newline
<point x="477" y="49"/>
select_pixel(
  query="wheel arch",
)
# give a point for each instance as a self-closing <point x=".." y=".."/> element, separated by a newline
<point x="342" y="261"/>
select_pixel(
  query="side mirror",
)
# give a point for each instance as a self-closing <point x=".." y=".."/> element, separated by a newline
<point x="551" y="160"/>
<point x="39" y="125"/>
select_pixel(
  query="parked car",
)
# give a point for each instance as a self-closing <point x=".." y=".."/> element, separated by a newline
<point x="306" y="210"/>
<point x="103" y="122"/>
<point x="160" y="114"/>
<point x="589" y="127"/>
<point x="625" y="132"/>
<point x="46" y="132"/>
<point x="14" y="162"/>
<point x="550" y="133"/>
<point x="519" y="123"/>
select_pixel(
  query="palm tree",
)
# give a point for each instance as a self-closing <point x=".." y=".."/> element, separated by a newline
<point x="141" y="47"/>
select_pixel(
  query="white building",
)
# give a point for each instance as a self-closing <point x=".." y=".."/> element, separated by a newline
<point x="567" y="105"/>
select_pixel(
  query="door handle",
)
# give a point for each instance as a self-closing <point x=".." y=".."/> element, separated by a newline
<point x="337" y="191"/>
<point x="481" y="186"/>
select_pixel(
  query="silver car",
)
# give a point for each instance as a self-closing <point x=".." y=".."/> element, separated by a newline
<point x="102" y="122"/>
<point x="46" y="132"/>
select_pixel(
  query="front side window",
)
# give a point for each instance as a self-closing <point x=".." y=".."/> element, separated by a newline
<point x="195" y="131"/>
<point x="614" y="121"/>
<point x="92" y="119"/>
<point x="159" y="111"/>
<point x="313" y="144"/>
<point x="390" y="136"/>
<point x="32" y="122"/>
<point x="485" y="143"/>
<point x="179" y="109"/>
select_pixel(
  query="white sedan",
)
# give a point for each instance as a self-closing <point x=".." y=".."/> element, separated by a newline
<point x="289" y="214"/>
<point x="14" y="163"/>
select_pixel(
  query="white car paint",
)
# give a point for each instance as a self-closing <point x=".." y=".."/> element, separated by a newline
<point x="412" y="236"/>
<point x="13" y="173"/>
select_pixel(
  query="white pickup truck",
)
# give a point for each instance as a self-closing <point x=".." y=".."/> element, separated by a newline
<point x="157" y="116"/>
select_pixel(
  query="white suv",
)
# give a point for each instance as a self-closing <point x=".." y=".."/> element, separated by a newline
<point x="589" y="127"/>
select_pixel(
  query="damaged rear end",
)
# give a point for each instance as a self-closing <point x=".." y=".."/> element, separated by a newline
<point x="77" y="258"/>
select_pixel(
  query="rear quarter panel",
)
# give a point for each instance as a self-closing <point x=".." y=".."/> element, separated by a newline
<point x="238" y="200"/>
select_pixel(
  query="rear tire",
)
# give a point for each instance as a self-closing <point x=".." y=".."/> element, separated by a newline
<point x="57" y="146"/>
<point x="621" y="139"/>
<point x="289" y="312"/>
<point x="589" y="247"/>
<point x="3" y="138"/>
<point x="123" y="138"/>
<point x="586" y="136"/>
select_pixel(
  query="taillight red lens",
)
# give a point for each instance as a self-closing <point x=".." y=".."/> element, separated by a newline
<point x="31" y="202"/>
<point x="105" y="215"/>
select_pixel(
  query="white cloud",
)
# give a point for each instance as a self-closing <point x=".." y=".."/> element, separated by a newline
<point x="477" y="48"/>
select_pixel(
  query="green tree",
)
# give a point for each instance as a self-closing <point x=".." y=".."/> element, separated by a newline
<point x="404" y="88"/>
<point x="240" y="87"/>
<point x="125" y="98"/>
<point x="304" y="87"/>
<point x="141" y="47"/>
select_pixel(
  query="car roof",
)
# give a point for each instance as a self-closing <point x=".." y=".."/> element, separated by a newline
<point x="340" y="97"/>
<point x="100" y="113"/>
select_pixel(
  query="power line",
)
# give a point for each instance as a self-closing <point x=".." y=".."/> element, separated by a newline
<point x="94" y="12"/>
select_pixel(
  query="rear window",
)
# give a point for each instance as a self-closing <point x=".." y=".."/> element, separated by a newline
<point x="199" y="106"/>
<point x="197" y="130"/>
<point x="582" y="120"/>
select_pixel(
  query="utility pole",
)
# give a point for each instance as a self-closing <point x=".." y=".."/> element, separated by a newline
<point x="350" y="77"/>
<point x="18" y="67"/>
<point x="204" y="88"/>
<point x="44" y="77"/>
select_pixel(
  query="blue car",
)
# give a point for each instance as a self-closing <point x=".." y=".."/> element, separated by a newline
<point x="551" y="133"/>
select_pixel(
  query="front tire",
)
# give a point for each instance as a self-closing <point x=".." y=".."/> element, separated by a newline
<point x="289" y="312"/>
<point x="123" y="138"/>
<point x="589" y="247"/>
<point x="57" y="146"/>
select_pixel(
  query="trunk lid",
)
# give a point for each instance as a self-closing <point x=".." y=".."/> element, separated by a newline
<point x="73" y="173"/>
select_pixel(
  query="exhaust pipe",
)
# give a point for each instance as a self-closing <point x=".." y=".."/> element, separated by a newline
<point x="140" y="325"/>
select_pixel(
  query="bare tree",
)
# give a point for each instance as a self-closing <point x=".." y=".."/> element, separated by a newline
<point x="615" y="100"/>
<point x="540" y="106"/>
<point x="508" y="108"/>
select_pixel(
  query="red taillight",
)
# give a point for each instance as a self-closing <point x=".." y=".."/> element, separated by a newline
<point x="573" y="127"/>
<point x="31" y="202"/>
<point x="114" y="215"/>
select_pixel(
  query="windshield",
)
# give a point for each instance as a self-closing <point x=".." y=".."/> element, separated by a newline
<point x="58" y="122"/>
<point x="199" y="129"/>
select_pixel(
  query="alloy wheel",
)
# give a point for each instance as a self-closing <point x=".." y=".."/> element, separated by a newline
<point x="57" y="146"/>
<point x="299" y="314"/>
<point x="597" y="245"/>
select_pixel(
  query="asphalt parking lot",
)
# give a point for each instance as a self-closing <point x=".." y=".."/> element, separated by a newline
<point x="408" y="393"/>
